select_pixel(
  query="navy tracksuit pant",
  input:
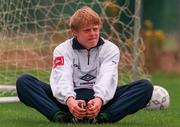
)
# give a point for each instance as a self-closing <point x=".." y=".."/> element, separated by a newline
<point x="128" y="99"/>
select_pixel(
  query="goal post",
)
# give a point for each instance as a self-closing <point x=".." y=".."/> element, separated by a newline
<point x="31" y="29"/>
<point x="137" y="27"/>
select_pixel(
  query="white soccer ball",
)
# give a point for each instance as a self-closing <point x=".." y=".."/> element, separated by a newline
<point x="160" y="99"/>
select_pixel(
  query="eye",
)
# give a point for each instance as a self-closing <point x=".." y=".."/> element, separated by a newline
<point x="95" y="29"/>
<point x="87" y="30"/>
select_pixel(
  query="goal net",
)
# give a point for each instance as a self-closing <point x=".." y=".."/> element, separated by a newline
<point x="31" y="29"/>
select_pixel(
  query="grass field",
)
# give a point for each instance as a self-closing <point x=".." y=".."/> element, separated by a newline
<point x="8" y="76"/>
<point x="18" y="115"/>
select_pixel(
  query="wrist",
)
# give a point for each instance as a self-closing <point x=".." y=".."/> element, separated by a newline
<point x="69" y="99"/>
<point x="100" y="100"/>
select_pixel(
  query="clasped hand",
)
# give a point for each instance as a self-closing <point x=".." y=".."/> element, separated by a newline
<point x="80" y="109"/>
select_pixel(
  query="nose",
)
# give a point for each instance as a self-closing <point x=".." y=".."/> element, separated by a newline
<point x="92" y="32"/>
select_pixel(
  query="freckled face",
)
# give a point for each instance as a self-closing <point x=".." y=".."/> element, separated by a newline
<point x="88" y="36"/>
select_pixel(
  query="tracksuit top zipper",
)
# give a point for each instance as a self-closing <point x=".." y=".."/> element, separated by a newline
<point x="88" y="55"/>
<point x="78" y="46"/>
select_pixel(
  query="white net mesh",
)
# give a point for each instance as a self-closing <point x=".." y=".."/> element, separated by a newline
<point x="30" y="29"/>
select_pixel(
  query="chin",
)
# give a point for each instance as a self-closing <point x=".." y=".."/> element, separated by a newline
<point x="93" y="45"/>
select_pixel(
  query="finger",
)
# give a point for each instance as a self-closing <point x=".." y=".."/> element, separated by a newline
<point x="78" y="115"/>
<point x="77" y="110"/>
<point x="80" y="109"/>
<point x="90" y="106"/>
<point x="90" y="116"/>
<point x="89" y="112"/>
<point x="93" y="107"/>
<point x="93" y="113"/>
<point x="91" y="102"/>
<point x="81" y="101"/>
<point x="82" y="105"/>
<point x="92" y="110"/>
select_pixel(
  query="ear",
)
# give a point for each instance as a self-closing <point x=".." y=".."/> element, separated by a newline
<point x="74" y="32"/>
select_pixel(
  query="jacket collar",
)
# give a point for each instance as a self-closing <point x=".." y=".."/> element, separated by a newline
<point x="77" y="45"/>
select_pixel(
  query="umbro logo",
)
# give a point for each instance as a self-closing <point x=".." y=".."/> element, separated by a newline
<point x="88" y="77"/>
<point x="114" y="62"/>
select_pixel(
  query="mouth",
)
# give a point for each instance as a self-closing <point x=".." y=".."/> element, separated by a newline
<point x="92" y="39"/>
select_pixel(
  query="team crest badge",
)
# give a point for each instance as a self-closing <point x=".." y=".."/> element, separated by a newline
<point x="58" y="61"/>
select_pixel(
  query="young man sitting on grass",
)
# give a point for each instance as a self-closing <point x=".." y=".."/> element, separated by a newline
<point x="84" y="79"/>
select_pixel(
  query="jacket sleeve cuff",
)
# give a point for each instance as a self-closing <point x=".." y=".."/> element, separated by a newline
<point x="66" y="98"/>
<point x="102" y="98"/>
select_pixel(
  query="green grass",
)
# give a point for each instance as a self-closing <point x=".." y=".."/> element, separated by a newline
<point x="8" y="76"/>
<point x="18" y="115"/>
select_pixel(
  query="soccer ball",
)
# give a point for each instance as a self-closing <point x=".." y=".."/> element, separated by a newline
<point x="160" y="99"/>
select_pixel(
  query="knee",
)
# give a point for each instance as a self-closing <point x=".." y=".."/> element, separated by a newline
<point x="147" y="86"/>
<point x="21" y="81"/>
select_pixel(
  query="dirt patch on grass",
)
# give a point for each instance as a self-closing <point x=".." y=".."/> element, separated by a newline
<point x="26" y="58"/>
<point x="42" y="59"/>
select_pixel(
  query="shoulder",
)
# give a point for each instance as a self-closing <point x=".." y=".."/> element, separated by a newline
<point x="64" y="48"/>
<point x="64" y="45"/>
<point x="109" y="46"/>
